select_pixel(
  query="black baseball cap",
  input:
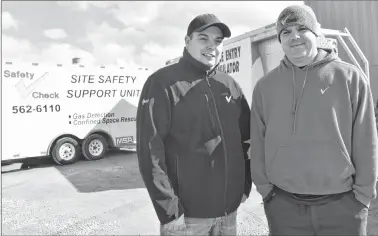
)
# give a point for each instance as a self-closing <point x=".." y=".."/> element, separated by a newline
<point x="204" y="21"/>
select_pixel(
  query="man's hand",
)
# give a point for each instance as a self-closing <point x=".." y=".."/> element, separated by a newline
<point x="176" y="225"/>
<point x="244" y="198"/>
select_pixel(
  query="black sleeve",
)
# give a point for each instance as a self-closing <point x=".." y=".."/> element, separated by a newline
<point x="153" y="123"/>
<point x="244" y="126"/>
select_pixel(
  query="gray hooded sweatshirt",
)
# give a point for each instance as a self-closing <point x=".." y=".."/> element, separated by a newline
<point x="313" y="130"/>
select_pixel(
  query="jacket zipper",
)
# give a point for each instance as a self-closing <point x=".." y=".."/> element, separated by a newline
<point x="211" y="115"/>
<point x="224" y="145"/>
<point x="178" y="177"/>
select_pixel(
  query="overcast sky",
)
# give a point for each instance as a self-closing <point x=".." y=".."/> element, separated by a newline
<point x="142" y="34"/>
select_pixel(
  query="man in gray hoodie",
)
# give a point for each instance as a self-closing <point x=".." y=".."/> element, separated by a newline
<point x="313" y="136"/>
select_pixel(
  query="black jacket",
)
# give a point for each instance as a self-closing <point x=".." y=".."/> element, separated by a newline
<point x="192" y="141"/>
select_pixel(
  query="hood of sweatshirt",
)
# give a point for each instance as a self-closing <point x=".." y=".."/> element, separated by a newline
<point x="323" y="56"/>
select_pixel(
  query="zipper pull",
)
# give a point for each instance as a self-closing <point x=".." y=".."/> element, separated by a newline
<point x="208" y="82"/>
<point x="207" y="78"/>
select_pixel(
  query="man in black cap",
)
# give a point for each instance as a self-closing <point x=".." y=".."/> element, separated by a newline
<point x="192" y="138"/>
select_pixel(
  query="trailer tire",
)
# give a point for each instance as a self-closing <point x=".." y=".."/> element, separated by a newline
<point x="94" y="147"/>
<point x="66" y="151"/>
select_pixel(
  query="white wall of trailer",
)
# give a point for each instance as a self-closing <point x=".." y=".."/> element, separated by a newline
<point x="254" y="53"/>
<point x="236" y="61"/>
<point x="44" y="101"/>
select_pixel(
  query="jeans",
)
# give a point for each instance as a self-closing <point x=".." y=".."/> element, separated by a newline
<point x="225" y="225"/>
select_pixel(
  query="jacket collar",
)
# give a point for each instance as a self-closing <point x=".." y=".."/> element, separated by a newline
<point x="196" y="65"/>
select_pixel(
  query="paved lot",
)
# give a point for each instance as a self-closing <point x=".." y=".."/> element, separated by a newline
<point x="105" y="197"/>
<point x="92" y="198"/>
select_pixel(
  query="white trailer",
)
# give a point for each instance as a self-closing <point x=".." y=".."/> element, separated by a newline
<point x="250" y="56"/>
<point x="63" y="111"/>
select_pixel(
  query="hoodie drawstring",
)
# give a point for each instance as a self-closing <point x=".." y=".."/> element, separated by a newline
<point x="296" y="103"/>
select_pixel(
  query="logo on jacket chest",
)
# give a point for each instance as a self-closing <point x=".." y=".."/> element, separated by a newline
<point x="227" y="97"/>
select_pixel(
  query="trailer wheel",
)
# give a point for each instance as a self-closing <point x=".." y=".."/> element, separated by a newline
<point x="66" y="151"/>
<point x="95" y="147"/>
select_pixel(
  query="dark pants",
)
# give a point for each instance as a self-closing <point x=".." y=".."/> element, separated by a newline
<point x="342" y="216"/>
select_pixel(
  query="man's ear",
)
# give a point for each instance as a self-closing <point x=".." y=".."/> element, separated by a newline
<point x="187" y="39"/>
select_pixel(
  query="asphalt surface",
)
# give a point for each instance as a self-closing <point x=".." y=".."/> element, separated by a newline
<point x="104" y="197"/>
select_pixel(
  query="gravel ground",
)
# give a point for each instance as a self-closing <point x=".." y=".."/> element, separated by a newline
<point x="104" y="197"/>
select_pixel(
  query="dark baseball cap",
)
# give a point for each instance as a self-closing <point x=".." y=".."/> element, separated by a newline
<point x="204" y="21"/>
